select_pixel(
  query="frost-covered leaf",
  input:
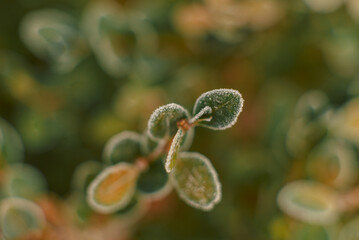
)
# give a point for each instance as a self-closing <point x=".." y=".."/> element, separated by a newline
<point x="11" y="147"/>
<point x="113" y="189"/>
<point x="225" y="104"/>
<point x="53" y="35"/>
<point x="84" y="174"/>
<point x="310" y="202"/>
<point x="123" y="147"/>
<point x="154" y="182"/>
<point x="23" y="181"/>
<point x="19" y="218"/>
<point x="163" y="121"/>
<point x="196" y="181"/>
<point x="173" y="152"/>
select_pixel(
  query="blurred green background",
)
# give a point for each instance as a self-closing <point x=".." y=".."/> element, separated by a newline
<point x="73" y="73"/>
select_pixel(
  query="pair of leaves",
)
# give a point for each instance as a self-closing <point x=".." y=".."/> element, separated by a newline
<point x="217" y="109"/>
<point x="20" y="217"/>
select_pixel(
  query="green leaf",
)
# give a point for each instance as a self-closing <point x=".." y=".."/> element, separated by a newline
<point x="163" y="121"/>
<point x="225" y="104"/>
<point x="196" y="181"/>
<point x="310" y="202"/>
<point x="113" y="189"/>
<point x="20" y="217"/>
<point x="23" y="181"/>
<point x="173" y="152"/>
<point x="123" y="147"/>
<point x="154" y="182"/>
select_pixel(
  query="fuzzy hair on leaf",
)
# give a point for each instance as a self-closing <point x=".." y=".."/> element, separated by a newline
<point x="225" y="104"/>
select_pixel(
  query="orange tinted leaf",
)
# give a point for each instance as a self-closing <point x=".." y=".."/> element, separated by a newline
<point x="113" y="188"/>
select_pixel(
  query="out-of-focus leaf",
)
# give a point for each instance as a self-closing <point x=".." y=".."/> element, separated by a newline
<point x="334" y="163"/>
<point x="115" y="34"/>
<point x="51" y="34"/>
<point x="20" y="217"/>
<point x="113" y="189"/>
<point x="310" y="202"/>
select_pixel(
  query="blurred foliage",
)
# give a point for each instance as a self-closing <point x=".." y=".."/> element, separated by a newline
<point x="73" y="73"/>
